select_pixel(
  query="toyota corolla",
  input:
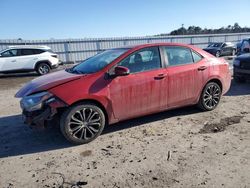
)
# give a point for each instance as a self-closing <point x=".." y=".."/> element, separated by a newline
<point x="124" y="83"/>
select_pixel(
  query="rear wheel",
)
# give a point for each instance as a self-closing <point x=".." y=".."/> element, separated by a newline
<point x="217" y="54"/>
<point x="43" y="68"/>
<point x="82" y="123"/>
<point x="210" y="96"/>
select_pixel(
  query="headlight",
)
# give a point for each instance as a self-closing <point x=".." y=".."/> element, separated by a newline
<point x="34" y="102"/>
<point x="236" y="63"/>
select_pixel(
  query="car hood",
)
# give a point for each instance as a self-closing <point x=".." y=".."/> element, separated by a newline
<point x="211" y="48"/>
<point x="244" y="57"/>
<point x="46" y="82"/>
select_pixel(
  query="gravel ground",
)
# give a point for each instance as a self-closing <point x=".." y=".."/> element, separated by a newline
<point x="177" y="148"/>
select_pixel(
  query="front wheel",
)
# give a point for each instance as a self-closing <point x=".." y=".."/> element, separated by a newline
<point x="210" y="96"/>
<point x="233" y="52"/>
<point x="82" y="123"/>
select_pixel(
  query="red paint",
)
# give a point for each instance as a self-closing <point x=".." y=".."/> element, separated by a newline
<point x="43" y="83"/>
<point x="136" y="94"/>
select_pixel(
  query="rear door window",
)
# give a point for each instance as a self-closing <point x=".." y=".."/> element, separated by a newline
<point x="25" y="52"/>
<point x="178" y="55"/>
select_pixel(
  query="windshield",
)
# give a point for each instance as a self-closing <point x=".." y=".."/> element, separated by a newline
<point x="98" y="61"/>
<point x="215" y="45"/>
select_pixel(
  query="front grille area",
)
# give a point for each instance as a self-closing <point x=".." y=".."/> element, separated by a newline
<point x="245" y="65"/>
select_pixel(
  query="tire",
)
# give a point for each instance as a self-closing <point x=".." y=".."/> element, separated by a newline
<point x="43" y="68"/>
<point x="233" y="52"/>
<point x="76" y="126"/>
<point x="239" y="79"/>
<point x="217" y="54"/>
<point x="210" y="97"/>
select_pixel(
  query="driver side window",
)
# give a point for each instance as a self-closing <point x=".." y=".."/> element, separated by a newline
<point x="142" y="60"/>
<point x="9" y="53"/>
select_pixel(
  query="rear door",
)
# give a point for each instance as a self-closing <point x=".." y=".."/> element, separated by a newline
<point x="27" y="58"/>
<point x="143" y="90"/>
<point x="186" y="70"/>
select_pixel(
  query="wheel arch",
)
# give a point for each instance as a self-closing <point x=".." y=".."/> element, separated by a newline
<point x="42" y="61"/>
<point x="97" y="103"/>
<point x="217" y="81"/>
<point x="201" y="103"/>
<point x="214" y="79"/>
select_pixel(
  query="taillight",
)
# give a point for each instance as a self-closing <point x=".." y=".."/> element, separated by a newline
<point x="55" y="56"/>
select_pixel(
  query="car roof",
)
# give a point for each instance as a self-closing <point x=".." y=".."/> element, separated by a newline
<point x="140" y="46"/>
<point x="215" y="42"/>
<point x="29" y="47"/>
<point x="196" y="49"/>
<point x="155" y="45"/>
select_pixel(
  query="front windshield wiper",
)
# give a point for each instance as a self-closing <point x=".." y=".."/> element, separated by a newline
<point x="71" y="70"/>
<point x="74" y="71"/>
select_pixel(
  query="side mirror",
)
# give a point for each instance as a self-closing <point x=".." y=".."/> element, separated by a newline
<point x="246" y="50"/>
<point x="121" y="71"/>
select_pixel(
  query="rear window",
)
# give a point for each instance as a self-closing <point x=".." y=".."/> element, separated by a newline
<point x="196" y="57"/>
<point x="49" y="50"/>
<point x="37" y="51"/>
<point x="215" y="45"/>
<point x="178" y="55"/>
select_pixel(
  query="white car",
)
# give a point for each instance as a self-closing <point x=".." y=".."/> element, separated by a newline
<point x="27" y="59"/>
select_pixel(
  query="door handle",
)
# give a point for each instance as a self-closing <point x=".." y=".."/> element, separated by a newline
<point x="13" y="61"/>
<point x="202" y="68"/>
<point x="160" y="76"/>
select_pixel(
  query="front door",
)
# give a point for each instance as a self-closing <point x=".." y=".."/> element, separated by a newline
<point x="143" y="90"/>
<point x="8" y="60"/>
<point x="226" y="50"/>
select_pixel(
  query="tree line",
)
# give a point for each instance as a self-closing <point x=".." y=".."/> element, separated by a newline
<point x="193" y="30"/>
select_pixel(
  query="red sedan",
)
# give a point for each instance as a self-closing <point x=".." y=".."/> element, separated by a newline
<point x="124" y="83"/>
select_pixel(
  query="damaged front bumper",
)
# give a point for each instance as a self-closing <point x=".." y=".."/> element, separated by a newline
<point x="39" y="117"/>
<point x="240" y="72"/>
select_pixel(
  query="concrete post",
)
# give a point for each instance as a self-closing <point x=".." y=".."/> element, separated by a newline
<point x="66" y="50"/>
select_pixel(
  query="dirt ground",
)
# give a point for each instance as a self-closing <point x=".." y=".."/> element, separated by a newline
<point x="177" y="148"/>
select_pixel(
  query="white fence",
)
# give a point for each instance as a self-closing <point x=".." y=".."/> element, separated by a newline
<point x="76" y="50"/>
